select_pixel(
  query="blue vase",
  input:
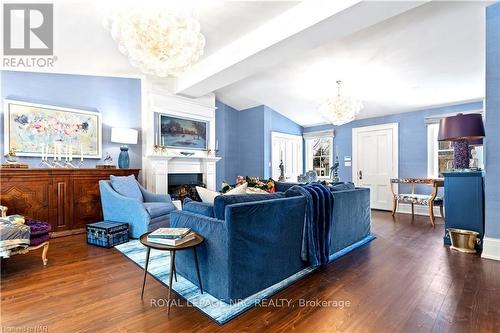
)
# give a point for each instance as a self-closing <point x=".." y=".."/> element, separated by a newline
<point x="123" y="159"/>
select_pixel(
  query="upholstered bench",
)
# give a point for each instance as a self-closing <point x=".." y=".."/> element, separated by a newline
<point x="39" y="238"/>
<point x="413" y="198"/>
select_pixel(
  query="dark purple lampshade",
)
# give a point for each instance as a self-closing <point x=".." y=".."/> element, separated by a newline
<point x="476" y="142"/>
<point x="461" y="127"/>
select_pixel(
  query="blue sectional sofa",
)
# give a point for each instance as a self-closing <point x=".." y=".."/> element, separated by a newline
<point x="254" y="241"/>
<point x="351" y="214"/>
<point x="251" y="242"/>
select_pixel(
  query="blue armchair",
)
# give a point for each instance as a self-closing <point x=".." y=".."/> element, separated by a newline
<point x="145" y="215"/>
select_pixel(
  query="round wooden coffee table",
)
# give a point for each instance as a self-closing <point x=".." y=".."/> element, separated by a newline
<point x="192" y="244"/>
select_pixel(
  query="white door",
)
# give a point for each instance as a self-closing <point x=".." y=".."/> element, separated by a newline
<point x="375" y="161"/>
<point x="286" y="148"/>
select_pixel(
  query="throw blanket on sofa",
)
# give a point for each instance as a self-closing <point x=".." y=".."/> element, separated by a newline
<point x="316" y="236"/>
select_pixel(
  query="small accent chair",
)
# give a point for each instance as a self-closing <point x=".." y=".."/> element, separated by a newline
<point x="419" y="199"/>
<point x="125" y="200"/>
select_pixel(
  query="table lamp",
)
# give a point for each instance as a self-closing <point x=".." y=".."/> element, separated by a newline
<point x="124" y="136"/>
<point x="462" y="129"/>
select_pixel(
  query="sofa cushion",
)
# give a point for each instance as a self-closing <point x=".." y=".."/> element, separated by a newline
<point x="208" y="196"/>
<point x="196" y="207"/>
<point x="156" y="209"/>
<point x="283" y="186"/>
<point x="342" y="187"/>
<point x="222" y="201"/>
<point x="126" y="186"/>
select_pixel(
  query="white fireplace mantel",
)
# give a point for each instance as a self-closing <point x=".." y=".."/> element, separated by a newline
<point x="161" y="166"/>
<point x="156" y="98"/>
<point x="169" y="157"/>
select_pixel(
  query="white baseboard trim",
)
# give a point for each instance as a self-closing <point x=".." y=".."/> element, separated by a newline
<point x="419" y="210"/>
<point x="491" y="248"/>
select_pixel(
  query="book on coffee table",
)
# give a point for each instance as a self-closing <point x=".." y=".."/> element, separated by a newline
<point x="169" y="233"/>
<point x="173" y="242"/>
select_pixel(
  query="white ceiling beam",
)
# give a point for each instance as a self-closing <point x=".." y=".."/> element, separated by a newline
<point x="304" y="27"/>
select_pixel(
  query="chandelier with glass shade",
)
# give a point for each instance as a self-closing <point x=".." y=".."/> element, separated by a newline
<point x="159" y="41"/>
<point x="340" y="110"/>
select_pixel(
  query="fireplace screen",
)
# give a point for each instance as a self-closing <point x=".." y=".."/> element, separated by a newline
<point x="181" y="186"/>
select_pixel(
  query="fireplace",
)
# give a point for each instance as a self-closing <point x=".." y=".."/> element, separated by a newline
<point x="183" y="185"/>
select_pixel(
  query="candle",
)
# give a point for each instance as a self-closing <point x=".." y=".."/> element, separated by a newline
<point x="46" y="152"/>
<point x="43" y="151"/>
<point x="81" y="153"/>
<point x="70" y="153"/>
<point x="55" y="152"/>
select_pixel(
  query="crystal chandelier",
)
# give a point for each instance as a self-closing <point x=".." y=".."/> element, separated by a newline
<point x="162" y="42"/>
<point x="340" y="109"/>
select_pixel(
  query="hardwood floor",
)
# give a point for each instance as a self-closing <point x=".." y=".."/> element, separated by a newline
<point x="404" y="281"/>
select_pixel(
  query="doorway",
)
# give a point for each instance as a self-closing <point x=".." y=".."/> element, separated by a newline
<point x="375" y="161"/>
<point x="286" y="148"/>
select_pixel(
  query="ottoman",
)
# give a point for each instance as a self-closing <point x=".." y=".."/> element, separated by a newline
<point x="39" y="238"/>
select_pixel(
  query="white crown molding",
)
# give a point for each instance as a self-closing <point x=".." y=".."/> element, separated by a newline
<point x="491" y="248"/>
<point x="319" y="134"/>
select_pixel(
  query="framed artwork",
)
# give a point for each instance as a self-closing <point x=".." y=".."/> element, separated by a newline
<point x="28" y="127"/>
<point x="176" y="132"/>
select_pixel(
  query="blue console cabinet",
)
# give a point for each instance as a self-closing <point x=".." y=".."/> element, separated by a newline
<point x="464" y="202"/>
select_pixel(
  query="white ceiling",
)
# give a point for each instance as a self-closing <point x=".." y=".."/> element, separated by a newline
<point x="431" y="55"/>
<point x="84" y="46"/>
<point x="223" y="22"/>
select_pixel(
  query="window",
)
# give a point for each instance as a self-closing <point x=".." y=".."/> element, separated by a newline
<point x="440" y="154"/>
<point x="319" y="155"/>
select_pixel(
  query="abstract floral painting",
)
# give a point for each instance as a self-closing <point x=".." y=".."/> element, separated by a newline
<point x="29" y="127"/>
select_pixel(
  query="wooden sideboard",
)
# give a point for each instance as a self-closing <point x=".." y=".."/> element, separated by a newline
<point x="66" y="198"/>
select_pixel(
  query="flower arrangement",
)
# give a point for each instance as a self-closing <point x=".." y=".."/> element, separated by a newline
<point x="253" y="182"/>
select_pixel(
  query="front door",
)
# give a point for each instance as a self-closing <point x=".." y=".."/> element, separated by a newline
<point x="375" y="161"/>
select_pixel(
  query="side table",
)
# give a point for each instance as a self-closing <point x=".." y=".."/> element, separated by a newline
<point x="192" y="244"/>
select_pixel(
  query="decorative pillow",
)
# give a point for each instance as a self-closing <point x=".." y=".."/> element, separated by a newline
<point x="208" y="196"/>
<point x="126" y="186"/>
<point x="242" y="189"/>
<point x="255" y="190"/>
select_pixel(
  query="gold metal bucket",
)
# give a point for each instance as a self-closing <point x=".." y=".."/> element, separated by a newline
<point x="463" y="240"/>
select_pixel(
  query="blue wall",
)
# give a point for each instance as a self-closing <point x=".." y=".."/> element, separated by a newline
<point x="412" y="138"/>
<point x="245" y="140"/>
<point x="117" y="99"/>
<point x="492" y="140"/>
<point x="250" y="140"/>
<point x="226" y="121"/>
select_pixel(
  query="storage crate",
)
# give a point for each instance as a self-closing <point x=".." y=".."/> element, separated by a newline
<point x="107" y="234"/>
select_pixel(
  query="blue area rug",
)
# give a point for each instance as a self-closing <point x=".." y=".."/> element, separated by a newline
<point x="217" y="310"/>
